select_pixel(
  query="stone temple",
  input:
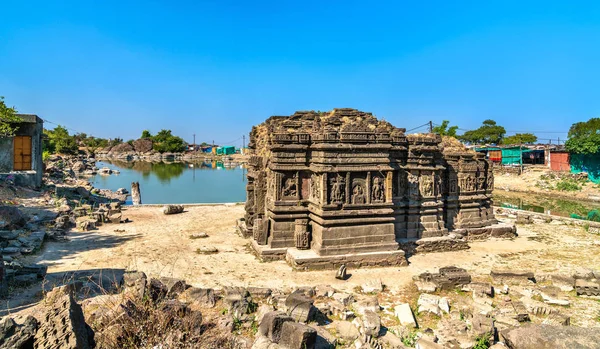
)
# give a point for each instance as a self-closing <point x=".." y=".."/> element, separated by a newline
<point x="343" y="187"/>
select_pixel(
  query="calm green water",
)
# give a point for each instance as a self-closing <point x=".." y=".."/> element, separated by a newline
<point x="176" y="183"/>
<point x="544" y="204"/>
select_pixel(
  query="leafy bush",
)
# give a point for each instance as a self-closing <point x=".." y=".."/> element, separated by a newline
<point x="45" y="155"/>
<point x="164" y="141"/>
<point x="568" y="185"/>
<point x="482" y="343"/>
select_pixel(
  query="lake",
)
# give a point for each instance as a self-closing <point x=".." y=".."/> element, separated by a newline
<point x="176" y="183"/>
<point x="215" y="182"/>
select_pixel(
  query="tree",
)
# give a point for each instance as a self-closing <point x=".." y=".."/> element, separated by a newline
<point x="520" y="138"/>
<point x="164" y="141"/>
<point x="59" y="141"/>
<point x="584" y="137"/>
<point x="146" y="134"/>
<point x="444" y="130"/>
<point x="489" y="132"/>
<point x="8" y="118"/>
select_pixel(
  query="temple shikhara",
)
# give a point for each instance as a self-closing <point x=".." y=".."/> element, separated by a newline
<point x="342" y="187"/>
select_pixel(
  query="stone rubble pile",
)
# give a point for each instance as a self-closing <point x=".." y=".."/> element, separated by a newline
<point x="511" y="311"/>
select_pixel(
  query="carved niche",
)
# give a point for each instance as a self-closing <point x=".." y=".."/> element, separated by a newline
<point x="337" y="189"/>
<point x="359" y="191"/>
<point x="426" y="185"/>
<point x="400" y="189"/>
<point x="453" y="185"/>
<point x="413" y="186"/>
<point x="377" y="190"/>
<point x="289" y="187"/>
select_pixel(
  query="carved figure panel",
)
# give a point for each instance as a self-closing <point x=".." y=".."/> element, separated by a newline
<point x="490" y="181"/>
<point x="289" y="187"/>
<point x="359" y="191"/>
<point x="413" y="186"/>
<point x="315" y="188"/>
<point x="402" y="184"/>
<point x="426" y="185"/>
<point x="337" y="190"/>
<point x="453" y="186"/>
<point x="377" y="190"/>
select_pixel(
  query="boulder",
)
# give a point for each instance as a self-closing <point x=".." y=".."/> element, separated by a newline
<point x="371" y="324"/>
<point x="300" y="307"/>
<point x="297" y="336"/>
<point x="172" y="209"/>
<point x="11" y="218"/>
<point x="62" y="323"/>
<point x="202" y="296"/>
<point x="142" y="145"/>
<point x="533" y="336"/>
<point x="13" y="336"/>
<point x="272" y="324"/>
<point x="372" y="286"/>
<point x="346" y="331"/>
<point x="122" y="148"/>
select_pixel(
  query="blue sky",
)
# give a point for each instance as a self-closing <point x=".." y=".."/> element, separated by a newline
<point x="215" y="68"/>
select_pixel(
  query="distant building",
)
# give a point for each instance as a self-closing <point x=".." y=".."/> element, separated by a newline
<point x="21" y="155"/>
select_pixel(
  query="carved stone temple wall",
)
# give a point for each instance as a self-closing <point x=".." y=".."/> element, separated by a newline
<point x="343" y="187"/>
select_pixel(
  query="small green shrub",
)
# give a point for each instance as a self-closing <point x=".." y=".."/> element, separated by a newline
<point x="482" y="343"/>
<point x="568" y="185"/>
<point x="45" y="155"/>
<point x="410" y="340"/>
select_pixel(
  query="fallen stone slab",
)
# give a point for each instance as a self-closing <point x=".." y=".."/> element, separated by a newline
<point x="587" y="288"/>
<point x="297" y="336"/>
<point x="405" y="315"/>
<point x="512" y="275"/>
<point x="300" y="307"/>
<point x="272" y="324"/>
<point x="203" y="296"/>
<point x="533" y="336"/>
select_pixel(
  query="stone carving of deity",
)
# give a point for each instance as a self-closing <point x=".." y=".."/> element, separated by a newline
<point x="378" y="194"/>
<point x="469" y="183"/>
<point x="413" y="186"/>
<point x="337" y="189"/>
<point x="453" y="188"/>
<point x="480" y="183"/>
<point x="315" y="186"/>
<point x="358" y="194"/>
<point x="490" y="181"/>
<point x="289" y="189"/>
<point x="426" y="186"/>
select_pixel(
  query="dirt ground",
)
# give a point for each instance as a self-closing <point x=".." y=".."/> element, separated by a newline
<point x="527" y="183"/>
<point x="162" y="245"/>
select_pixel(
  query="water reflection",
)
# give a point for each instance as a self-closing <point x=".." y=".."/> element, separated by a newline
<point x="544" y="204"/>
<point x="178" y="182"/>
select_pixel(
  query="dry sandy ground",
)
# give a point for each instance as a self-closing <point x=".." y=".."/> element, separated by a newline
<point x="161" y="245"/>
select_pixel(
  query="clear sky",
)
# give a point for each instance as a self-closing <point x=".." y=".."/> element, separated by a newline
<point x="215" y="68"/>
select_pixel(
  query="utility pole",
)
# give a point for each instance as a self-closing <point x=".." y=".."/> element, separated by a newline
<point x="194" y="141"/>
<point x="243" y="143"/>
<point x="430" y="127"/>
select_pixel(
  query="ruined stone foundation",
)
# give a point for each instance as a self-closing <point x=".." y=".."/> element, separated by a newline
<point x="343" y="187"/>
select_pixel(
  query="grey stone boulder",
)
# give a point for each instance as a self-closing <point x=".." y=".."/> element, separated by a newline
<point x="15" y="336"/>
<point x="11" y="218"/>
<point x="534" y="336"/>
<point x="202" y="296"/>
<point x="272" y="324"/>
<point x="300" y="307"/>
<point x="297" y="336"/>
